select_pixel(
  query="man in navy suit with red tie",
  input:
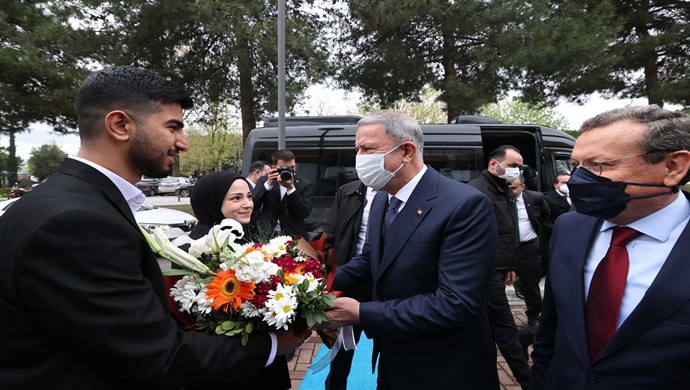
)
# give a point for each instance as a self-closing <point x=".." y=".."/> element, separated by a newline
<point x="616" y="310"/>
<point x="427" y="258"/>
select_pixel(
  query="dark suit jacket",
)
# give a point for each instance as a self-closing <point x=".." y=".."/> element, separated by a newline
<point x="291" y="211"/>
<point x="537" y="210"/>
<point x="557" y="206"/>
<point x="651" y="350"/>
<point x="429" y="278"/>
<point x="344" y="221"/>
<point x="83" y="304"/>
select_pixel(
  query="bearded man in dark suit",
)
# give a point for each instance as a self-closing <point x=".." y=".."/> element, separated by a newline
<point x="82" y="299"/>
<point x="427" y="258"/>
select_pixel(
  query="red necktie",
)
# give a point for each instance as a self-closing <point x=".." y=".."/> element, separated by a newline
<point x="606" y="290"/>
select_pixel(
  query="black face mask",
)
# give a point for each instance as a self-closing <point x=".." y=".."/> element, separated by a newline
<point x="601" y="197"/>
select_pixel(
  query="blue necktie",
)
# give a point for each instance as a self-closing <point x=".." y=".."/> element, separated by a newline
<point x="391" y="213"/>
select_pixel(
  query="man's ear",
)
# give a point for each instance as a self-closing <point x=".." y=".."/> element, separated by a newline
<point x="119" y="126"/>
<point x="409" y="151"/>
<point x="677" y="165"/>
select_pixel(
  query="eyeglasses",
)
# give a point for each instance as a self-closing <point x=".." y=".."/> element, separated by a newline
<point x="595" y="166"/>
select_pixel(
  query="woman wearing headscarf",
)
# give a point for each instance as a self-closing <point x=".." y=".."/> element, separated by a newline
<point x="217" y="196"/>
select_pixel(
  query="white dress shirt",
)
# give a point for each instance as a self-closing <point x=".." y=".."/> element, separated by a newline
<point x="406" y="191"/>
<point x="647" y="252"/>
<point x="527" y="232"/>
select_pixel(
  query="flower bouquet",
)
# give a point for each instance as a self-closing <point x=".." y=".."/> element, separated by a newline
<point x="234" y="288"/>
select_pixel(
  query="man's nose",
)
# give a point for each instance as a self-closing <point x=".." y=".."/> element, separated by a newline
<point x="181" y="142"/>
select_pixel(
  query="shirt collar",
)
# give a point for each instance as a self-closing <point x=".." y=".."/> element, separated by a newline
<point x="660" y="224"/>
<point x="134" y="197"/>
<point x="406" y="191"/>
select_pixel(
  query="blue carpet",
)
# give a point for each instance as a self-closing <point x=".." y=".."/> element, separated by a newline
<point x="360" y="377"/>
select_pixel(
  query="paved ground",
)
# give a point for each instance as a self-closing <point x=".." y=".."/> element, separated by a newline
<point x="303" y="356"/>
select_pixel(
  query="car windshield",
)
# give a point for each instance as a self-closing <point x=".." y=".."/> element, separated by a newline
<point x="170" y="181"/>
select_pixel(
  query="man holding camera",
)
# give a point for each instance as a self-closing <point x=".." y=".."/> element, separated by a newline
<point x="286" y="199"/>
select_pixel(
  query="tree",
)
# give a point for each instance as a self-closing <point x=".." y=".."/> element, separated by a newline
<point x="619" y="48"/>
<point x="40" y="67"/>
<point x="6" y="165"/>
<point x="215" y="143"/>
<point x="427" y="110"/>
<point x="220" y="51"/>
<point x="392" y="49"/>
<point x="45" y="160"/>
<point x="519" y="112"/>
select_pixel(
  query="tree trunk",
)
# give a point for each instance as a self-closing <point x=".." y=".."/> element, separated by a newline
<point x="651" y="68"/>
<point x="12" y="166"/>
<point x="450" y="76"/>
<point x="244" y="68"/>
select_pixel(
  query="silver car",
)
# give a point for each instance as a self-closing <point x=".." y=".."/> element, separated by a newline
<point x="172" y="184"/>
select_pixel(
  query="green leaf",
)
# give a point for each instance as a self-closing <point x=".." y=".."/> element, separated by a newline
<point x="227" y="325"/>
<point x="250" y="327"/>
<point x="245" y="338"/>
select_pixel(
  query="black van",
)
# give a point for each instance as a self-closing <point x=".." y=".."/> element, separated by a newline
<point x="325" y="154"/>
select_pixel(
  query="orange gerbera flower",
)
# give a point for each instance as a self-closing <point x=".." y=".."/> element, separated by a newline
<point x="227" y="292"/>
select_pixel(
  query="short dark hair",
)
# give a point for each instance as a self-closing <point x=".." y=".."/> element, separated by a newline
<point x="284" y="155"/>
<point x="556" y="180"/>
<point x="257" y="166"/>
<point x="499" y="153"/>
<point x="126" y="88"/>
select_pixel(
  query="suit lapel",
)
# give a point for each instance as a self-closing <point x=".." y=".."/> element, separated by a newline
<point x="409" y="218"/>
<point x="375" y="226"/>
<point x="661" y="299"/>
<point x="579" y="244"/>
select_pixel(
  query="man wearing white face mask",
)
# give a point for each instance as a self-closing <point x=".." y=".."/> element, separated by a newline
<point x="427" y="258"/>
<point x="504" y="168"/>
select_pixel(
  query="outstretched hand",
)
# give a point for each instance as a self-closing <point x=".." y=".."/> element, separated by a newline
<point x="344" y="312"/>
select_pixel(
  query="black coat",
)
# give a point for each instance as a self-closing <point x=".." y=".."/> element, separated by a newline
<point x="343" y="223"/>
<point x="557" y="206"/>
<point x="292" y="210"/>
<point x="504" y="210"/>
<point x="83" y="303"/>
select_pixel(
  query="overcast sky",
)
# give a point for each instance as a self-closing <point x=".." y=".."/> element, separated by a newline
<point x="321" y="100"/>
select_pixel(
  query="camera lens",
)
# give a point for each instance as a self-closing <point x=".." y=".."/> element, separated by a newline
<point x="285" y="175"/>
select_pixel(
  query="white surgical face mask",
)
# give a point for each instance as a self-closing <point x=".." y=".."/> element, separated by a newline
<point x="564" y="189"/>
<point x="510" y="175"/>
<point x="371" y="171"/>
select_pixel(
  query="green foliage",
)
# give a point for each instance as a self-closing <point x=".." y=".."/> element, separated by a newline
<point x="7" y="168"/>
<point x="45" y="160"/>
<point x="618" y="48"/>
<point x="215" y="142"/>
<point x="221" y="51"/>
<point x="390" y="50"/>
<point x="428" y="110"/>
<point x="518" y="112"/>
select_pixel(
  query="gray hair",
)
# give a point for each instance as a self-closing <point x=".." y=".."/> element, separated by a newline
<point x="401" y="127"/>
<point x="666" y="131"/>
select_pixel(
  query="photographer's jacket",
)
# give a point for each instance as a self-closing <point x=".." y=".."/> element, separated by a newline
<point x="290" y="211"/>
